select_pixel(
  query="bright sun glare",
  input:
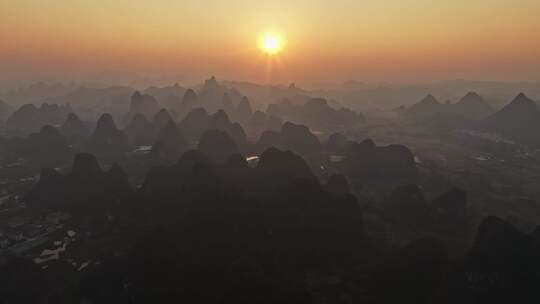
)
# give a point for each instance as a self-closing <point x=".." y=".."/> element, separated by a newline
<point x="271" y="44"/>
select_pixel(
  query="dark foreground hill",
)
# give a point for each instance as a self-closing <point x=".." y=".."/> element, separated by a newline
<point x="222" y="231"/>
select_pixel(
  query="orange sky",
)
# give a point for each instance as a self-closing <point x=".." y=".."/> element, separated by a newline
<point x="326" y="41"/>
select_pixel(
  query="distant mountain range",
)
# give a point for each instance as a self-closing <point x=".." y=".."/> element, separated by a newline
<point x="519" y="120"/>
<point x="364" y="97"/>
<point x="471" y="106"/>
<point x="354" y="95"/>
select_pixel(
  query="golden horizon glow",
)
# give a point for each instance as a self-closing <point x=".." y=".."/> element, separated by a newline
<point x="315" y="40"/>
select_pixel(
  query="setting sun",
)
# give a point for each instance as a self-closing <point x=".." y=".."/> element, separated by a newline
<point x="271" y="44"/>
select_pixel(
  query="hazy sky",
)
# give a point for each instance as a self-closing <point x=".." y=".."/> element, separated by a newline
<point x="326" y="41"/>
